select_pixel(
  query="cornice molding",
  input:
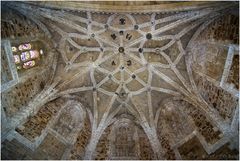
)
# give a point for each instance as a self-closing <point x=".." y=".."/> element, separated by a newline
<point x="94" y="7"/>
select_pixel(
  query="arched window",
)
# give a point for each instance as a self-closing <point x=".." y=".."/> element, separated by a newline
<point x="26" y="46"/>
<point x="27" y="55"/>
<point x="29" y="64"/>
<point x="70" y="121"/>
<point x="123" y="141"/>
<point x="16" y="59"/>
<point x="34" y="54"/>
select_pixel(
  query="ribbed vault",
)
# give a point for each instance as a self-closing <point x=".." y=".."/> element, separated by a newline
<point x="128" y="65"/>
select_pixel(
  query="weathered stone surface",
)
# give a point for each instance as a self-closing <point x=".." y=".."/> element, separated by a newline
<point x="122" y="80"/>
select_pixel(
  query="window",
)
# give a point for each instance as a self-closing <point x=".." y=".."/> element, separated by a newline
<point x="14" y="49"/>
<point x="34" y="54"/>
<point x="29" y="64"/>
<point x="27" y="55"/>
<point x="25" y="46"/>
<point x="16" y="59"/>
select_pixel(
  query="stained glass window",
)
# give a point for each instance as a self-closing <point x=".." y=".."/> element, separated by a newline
<point x="34" y="54"/>
<point x="16" y="59"/>
<point x="25" y="47"/>
<point x="25" y="56"/>
<point x="29" y="64"/>
<point x="14" y="49"/>
<point x="28" y="55"/>
<point x="19" y="67"/>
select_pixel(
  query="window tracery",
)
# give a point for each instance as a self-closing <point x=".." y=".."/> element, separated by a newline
<point x="177" y="123"/>
<point x="26" y="46"/>
<point x="29" y="64"/>
<point x="16" y="59"/>
<point x="123" y="140"/>
<point x="27" y="55"/>
<point x="70" y="121"/>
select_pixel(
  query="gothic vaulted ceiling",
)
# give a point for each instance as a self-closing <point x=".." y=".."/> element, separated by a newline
<point x="120" y="80"/>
